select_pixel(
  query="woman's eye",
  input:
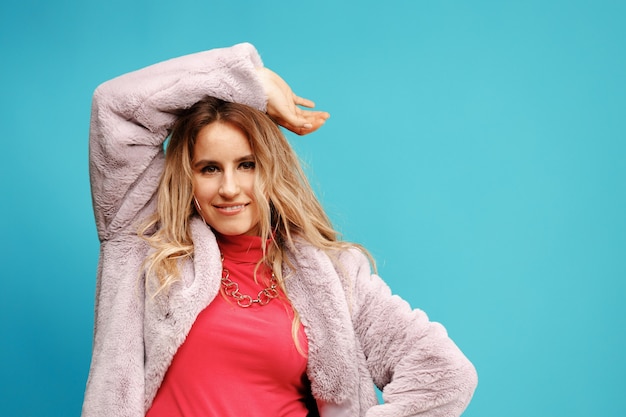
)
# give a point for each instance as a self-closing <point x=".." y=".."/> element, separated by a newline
<point x="248" y="165"/>
<point x="209" y="169"/>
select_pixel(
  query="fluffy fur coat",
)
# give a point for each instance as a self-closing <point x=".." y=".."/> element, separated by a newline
<point x="359" y="333"/>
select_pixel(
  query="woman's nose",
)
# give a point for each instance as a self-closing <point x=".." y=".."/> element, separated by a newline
<point x="230" y="186"/>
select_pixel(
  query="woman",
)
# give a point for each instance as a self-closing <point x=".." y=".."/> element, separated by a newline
<point x="222" y="289"/>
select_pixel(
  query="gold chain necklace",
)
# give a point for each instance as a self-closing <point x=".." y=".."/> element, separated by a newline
<point x="231" y="288"/>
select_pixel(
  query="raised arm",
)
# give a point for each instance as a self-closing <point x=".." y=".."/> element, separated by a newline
<point x="132" y="115"/>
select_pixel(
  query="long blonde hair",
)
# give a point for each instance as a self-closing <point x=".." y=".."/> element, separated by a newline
<point x="288" y="206"/>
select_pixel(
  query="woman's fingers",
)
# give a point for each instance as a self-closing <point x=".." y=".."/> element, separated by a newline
<point x="301" y="101"/>
<point x="308" y="122"/>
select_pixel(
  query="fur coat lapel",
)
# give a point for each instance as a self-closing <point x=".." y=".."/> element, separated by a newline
<point x="316" y="292"/>
<point x="169" y="316"/>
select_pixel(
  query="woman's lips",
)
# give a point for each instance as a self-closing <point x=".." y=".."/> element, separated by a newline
<point x="231" y="209"/>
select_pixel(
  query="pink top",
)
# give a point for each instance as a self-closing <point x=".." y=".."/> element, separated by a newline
<point x="238" y="361"/>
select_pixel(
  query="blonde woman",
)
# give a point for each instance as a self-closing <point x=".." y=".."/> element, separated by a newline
<point x="222" y="288"/>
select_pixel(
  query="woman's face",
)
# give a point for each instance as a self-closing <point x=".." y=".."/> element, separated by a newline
<point x="223" y="180"/>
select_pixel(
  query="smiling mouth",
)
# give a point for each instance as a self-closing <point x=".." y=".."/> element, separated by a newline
<point x="231" y="209"/>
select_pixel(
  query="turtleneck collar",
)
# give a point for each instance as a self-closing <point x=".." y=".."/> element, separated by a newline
<point x="241" y="248"/>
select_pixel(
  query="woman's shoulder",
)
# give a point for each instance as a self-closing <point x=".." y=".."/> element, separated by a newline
<point x="347" y="262"/>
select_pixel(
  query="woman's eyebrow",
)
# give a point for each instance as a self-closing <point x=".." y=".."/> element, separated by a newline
<point x="203" y="162"/>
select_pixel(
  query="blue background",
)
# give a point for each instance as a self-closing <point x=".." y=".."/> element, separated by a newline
<point x="476" y="148"/>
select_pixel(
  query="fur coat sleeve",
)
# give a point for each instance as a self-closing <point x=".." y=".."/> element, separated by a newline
<point x="419" y="369"/>
<point x="132" y="115"/>
<point x="131" y="118"/>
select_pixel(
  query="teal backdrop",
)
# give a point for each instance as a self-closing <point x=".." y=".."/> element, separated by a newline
<point x="476" y="148"/>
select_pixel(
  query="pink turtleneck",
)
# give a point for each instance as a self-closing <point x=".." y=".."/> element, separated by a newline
<point x="238" y="361"/>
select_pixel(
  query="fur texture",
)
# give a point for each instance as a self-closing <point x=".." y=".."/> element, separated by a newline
<point x="359" y="333"/>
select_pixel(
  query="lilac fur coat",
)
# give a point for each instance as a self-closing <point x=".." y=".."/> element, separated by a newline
<point x="359" y="333"/>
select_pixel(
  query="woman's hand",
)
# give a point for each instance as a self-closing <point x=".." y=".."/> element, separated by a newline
<point x="282" y="105"/>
